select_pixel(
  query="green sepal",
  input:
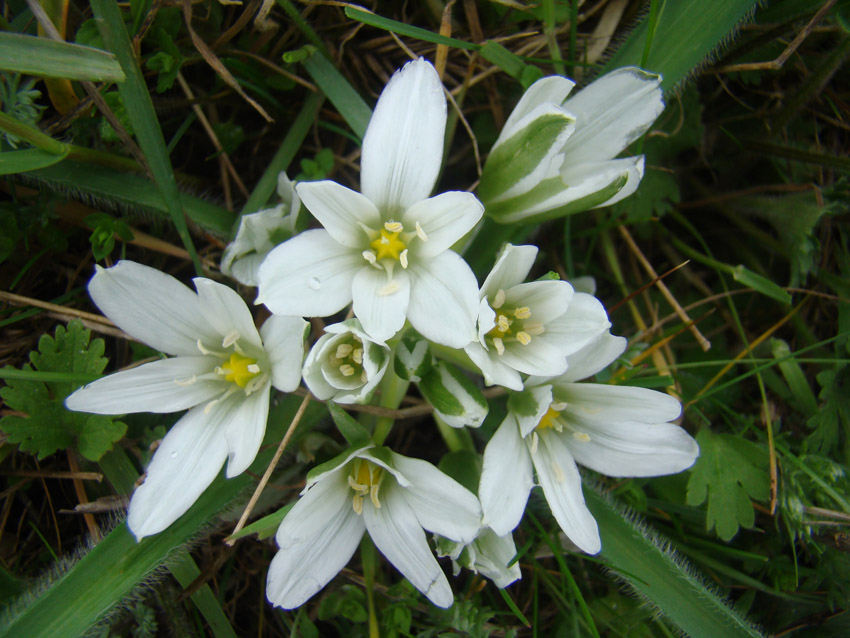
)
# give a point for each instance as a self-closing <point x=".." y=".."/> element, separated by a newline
<point x="354" y="432"/>
<point x="511" y="210"/>
<point x="337" y="461"/>
<point x="529" y="406"/>
<point x="413" y="358"/>
<point x="264" y="527"/>
<point x="521" y="154"/>
<point x="454" y="397"/>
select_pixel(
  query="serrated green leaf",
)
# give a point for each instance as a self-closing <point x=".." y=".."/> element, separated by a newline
<point x="833" y="415"/>
<point x="48" y="426"/>
<point x="729" y="472"/>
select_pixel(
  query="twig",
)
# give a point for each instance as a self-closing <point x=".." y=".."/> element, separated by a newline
<point x="263" y="481"/>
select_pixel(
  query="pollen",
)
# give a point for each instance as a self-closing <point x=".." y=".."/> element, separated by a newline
<point x="388" y="245"/>
<point x="240" y="369"/>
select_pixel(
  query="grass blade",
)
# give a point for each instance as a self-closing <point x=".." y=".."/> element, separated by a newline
<point x="342" y="95"/>
<point x="140" y="110"/>
<point x="31" y="55"/>
<point x="661" y="578"/>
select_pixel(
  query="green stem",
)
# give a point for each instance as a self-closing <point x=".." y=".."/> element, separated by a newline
<point x="457" y="439"/>
<point x="393" y="389"/>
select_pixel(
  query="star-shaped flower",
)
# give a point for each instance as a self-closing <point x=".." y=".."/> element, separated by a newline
<point x="222" y="370"/>
<point x="556" y="423"/>
<point x="386" y="249"/>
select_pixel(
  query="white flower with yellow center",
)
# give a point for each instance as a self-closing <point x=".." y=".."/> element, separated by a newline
<point x="555" y="155"/>
<point x="222" y="369"/>
<point x="530" y="327"/>
<point x="387" y="249"/>
<point x="345" y="365"/>
<point x="370" y="489"/>
<point x="556" y="423"/>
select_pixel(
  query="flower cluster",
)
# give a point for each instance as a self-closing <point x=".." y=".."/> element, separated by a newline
<point x="418" y="316"/>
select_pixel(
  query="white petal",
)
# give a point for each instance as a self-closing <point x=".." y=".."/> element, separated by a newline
<point x="444" y="300"/>
<point x="538" y="357"/>
<point x="535" y="403"/>
<point x="506" y="478"/>
<point x="245" y="428"/>
<point x="594" y="176"/>
<point x="583" y="322"/>
<point x="558" y="476"/>
<point x="441" y="504"/>
<point x="226" y="312"/>
<point x="312" y="371"/>
<point x="607" y="403"/>
<point x="511" y="268"/>
<point x="317" y="538"/>
<point x="486" y="319"/>
<point x="612" y="112"/>
<point x="595" y="356"/>
<point x="553" y="89"/>
<point x="494" y="554"/>
<point x="398" y="535"/>
<point x="444" y="219"/>
<point x="403" y="146"/>
<point x="341" y="211"/>
<point x="283" y="339"/>
<point x="602" y="437"/>
<point x="159" y="386"/>
<point x="495" y="372"/>
<point x="381" y="304"/>
<point x="185" y="463"/>
<point x="547" y="300"/>
<point x="151" y="306"/>
<point x="309" y="275"/>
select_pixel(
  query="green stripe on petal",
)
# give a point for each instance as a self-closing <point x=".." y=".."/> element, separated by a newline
<point x="454" y="397"/>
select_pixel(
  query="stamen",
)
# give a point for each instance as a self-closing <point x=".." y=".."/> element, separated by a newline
<point x="421" y="233"/>
<point x="254" y="368"/>
<point x="357" y="503"/>
<point x="209" y="406"/>
<point x="500" y="347"/>
<point x="392" y="287"/>
<point x="203" y="349"/>
<point x="550" y="419"/>
<point x="498" y="300"/>
<point x="369" y="256"/>
<point x="504" y="323"/>
<point x="523" y="337"/>
<point x="346" y="369"/>
<point x="559" y="473"/>
<point x="363" y="376"/>
<point x="584" y="437"/>
<point x="535" y="440"/>
<point x="393" y="226"/>
<point x="402" y="258"/>
<point x="186" y="382"/>
<point x="560" y="406"/>
<point x="522" y="313"/>
<point x="230" y="339"/>
<point x="357" y="355"/>
<point x="343" y="350"/>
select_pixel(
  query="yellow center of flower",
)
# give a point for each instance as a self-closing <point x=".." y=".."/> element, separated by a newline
<point x="364" y="478"/>
<point x="240" y="369"/>
<point x="388" y="245"/>
<point x="511" y="324"/>
<point x="548" y="420"/>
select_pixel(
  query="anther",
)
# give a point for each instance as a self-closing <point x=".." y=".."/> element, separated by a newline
<point x="230" y="339"/>
<point x="369" y="256"/>
<point x="421" y="233"/>
<point x="393" y="227"/>
<point x="584" y="437"/>
<point x="522" y="313"/>
<point x="500" y="347"/>
<point x="523" y="337"/>
<point x="533" y="328"/>
<point x="346" y="369"/>
<point x="357" y="355"/>
<point x="504" y="323"/>
<point x="343" y="350"/>
<point x="499" y="299"/>
<point x="558" y="472"/>
<point x="402" y="258"/>
<point x="186" y="382"/>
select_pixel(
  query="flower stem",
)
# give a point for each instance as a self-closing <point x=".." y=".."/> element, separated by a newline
<point x="369" y="560"/>
<point x="457" y="439"/>
<point x="393" y="389"/>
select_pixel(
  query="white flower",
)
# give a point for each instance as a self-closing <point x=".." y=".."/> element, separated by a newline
<point x="222" y="370"/>
<point x="345" y="364"/>
<point x="260" y="232"/>
<point x="386" y="249"/>
<point x="394" y="498"/>
<point x="554" y="155"/>
<point x="530" y="327"/>
<point x="488" y="554"/>
<point x="615" y="430"/>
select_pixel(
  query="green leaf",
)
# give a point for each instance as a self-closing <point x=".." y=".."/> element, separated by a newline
<point x="354" y="432"/>
<point x="760" y="284"/>
<point x="406" y="29"/>
<point x="510" y="63"/>
<point x="831" y="421"/>
<point x="27" y="160"/>
<point x="729" y="472"/>
<point x="48" y="426"/>
<point x="464" y="466"/>
<point x="32" y="55"/>
<point x="264" y="527"/>
<point x="681" y="43"/>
